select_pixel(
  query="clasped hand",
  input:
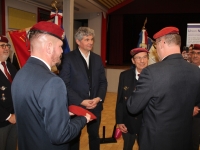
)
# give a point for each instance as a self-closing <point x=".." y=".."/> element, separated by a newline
<point x="90" y="104"/>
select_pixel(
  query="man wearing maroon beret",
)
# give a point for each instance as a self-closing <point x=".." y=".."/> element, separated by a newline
<point x="8" y="132"/>
<point x="40" y="96"/>
<point x="130" y="124"/>
<point x="164" y="94"/>
<point x="196" y="119"/>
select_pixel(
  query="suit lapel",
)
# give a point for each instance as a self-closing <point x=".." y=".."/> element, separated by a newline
<point x="80" y="62"/>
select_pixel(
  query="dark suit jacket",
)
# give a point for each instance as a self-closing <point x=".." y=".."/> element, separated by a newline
<point x="127" y="83"/>
<point x="41" y="107"/>
<point x="74" y="74"/>
<point x="6" y="107"/>
<point x="167" y="92"/>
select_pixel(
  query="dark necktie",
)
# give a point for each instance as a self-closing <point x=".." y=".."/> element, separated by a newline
<point x="6" y="72"/>
<point x="138" y="74"/>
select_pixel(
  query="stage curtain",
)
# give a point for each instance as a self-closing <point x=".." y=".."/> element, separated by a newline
<point x="115" y="38"/>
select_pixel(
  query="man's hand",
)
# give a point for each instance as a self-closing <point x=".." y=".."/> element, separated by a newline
<point x="94" y="103"/>
<point x="88" y="117"/>
<point x="196" y="110"/>
<point x="87" y="103"/>
<point x="12" y="119"/>
<point x="71" y="114"/>
<point x="122" y="128"/>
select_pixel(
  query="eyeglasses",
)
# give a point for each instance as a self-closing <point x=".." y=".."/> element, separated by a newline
<point x="140" y="58"/>
<point x="197" y="53"/>
<point x="5" y="45"/>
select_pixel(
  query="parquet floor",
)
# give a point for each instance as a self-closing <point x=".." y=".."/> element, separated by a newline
<point x="108" y="120"/>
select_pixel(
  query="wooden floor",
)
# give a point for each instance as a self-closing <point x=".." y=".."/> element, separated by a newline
<point x="108" y="120"/>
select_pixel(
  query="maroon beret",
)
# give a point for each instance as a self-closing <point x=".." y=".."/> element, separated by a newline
<point x="3" y="39"/>
<point x="196" y="47"/>
<point x="166" y="30"/>
<point x="138" y="50"/>
<point x="50" y="28"/>
<point x="79" y="111"/>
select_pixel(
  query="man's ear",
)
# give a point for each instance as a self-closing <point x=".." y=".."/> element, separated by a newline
<point x="133" y="61"/>
<point x="49" y="46"/>
<point x="77" y="42"/>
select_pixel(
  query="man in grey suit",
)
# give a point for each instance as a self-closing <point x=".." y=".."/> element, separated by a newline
<point x="166" y="92"/>
<point x="84" y="75"/>
<point x="40" y="96"/>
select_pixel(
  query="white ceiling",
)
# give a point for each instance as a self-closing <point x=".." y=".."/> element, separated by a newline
<point x="80" y="6"/>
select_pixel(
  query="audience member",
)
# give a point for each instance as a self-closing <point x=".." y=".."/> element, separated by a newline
<point x="164" y="94"/>
<point x="185" y="53"/>
<point x="40" y="96"/>
<point x="129" y="124"/>
<point x="190" y="53"/>
<point x="8" y="131"/>
<point x="196" y="119"/>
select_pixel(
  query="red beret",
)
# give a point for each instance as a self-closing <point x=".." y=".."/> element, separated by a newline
<point x="166" y="30"/>
<point x="50" y="28"/>
<point x="79" y="111"/>
<point x="196" y="47"/>
<point x="3" y="39"/>
<point x="138" y="50"/>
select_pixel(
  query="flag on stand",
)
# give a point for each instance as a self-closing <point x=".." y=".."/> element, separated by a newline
<point x="21" y="45"/>
<point x="57" y="19"/>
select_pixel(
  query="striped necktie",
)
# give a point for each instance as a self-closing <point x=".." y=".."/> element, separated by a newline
<point x="6" y="72"/>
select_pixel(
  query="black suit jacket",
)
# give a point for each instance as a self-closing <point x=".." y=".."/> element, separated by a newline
<point x="6" y="106"/>
<point x="166" y="92"/>
<point x="41" y="107"/>
<point x="127" y="83"/>
<point x="75" y="76"/>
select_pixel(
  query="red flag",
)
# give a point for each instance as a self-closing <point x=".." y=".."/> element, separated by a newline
<point x="21" y="45"/>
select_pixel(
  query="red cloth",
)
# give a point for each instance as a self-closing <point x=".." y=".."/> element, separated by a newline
<point x="79" y="111"/>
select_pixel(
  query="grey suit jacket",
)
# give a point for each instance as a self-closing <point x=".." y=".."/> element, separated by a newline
<point x="166" y="92"/>
<point x="41" y="107"/>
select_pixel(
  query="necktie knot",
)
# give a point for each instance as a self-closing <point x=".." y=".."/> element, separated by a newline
<point x="6" y="72"/>
<point x="138" y="74"/>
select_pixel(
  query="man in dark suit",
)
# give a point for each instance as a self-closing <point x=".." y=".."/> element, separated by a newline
<point x="40" y="96"/>
<point x="129" y="124"/>
<point x="84" y="76"/>
<point x="8" y="132"/>
<point x="195" y="56"/>
<point x="166" y="92"/>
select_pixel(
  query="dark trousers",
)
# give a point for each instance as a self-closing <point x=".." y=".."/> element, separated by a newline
<point x="129" y="140"/>
<point x="8" y="137"/>
<point x="195" y="133"/>
<point x="93" y="134"/>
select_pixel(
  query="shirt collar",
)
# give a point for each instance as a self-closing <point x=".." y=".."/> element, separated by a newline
<point x="42" y="61"/>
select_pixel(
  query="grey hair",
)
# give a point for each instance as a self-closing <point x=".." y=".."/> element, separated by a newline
<point x="83" y="31"/>
<point x="173" y="38"/>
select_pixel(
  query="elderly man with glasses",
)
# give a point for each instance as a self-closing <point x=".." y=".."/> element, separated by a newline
<point x="8" y="134"/>
<point x="130" y="124"/>
<point x="196" y="119"/>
